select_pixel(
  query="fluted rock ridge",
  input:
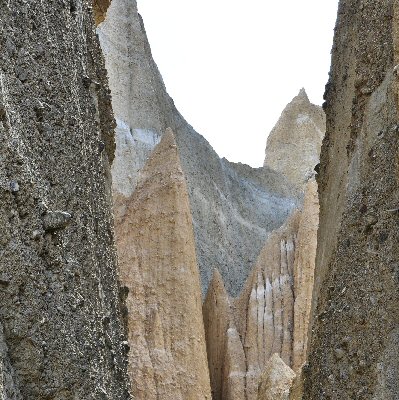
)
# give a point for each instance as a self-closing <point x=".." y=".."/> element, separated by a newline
<point x="271" y="315"/>
<point x="293" y="146"/>
<point x="167" y="358"/>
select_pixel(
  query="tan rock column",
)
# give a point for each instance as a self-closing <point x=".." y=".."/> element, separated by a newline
<point x="217" y="320"/>
<point x="158" y="265"/>
<point x="305" y="259"/>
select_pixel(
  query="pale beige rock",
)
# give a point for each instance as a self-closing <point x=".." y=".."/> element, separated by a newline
<point x="276" y="380"/>
<point x="267" y="305"/>
<point x="272" y="312"/>
<point x="234" y="371"/>
<point x="158" y="265"/>
<point x="304" y="265"/>
<point x="217" y="320"/>
<point x="293" y="146"/>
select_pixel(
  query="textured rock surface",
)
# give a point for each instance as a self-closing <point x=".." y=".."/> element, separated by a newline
<point x="265" y="309"/>
<point x="276" y="380"/>
<point x="234" y="207"/>
<point x="271" y="315"/>
<point x="100" y="8"/>
<point x="304" y="265"/>
<point x="293" y="146"/>
<point x="59" y="300"/>
<point x="156" y="249"/>
<point x="356" y="314"/>
<point x="217" y="319"/>
<point x="234" y="368"/>
<point x="9" y="388"/>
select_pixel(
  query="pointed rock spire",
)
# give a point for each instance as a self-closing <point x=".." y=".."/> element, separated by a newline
<point x="276" y="380"/>
<point x="158" y="265"/>
<point x="293" y="146"/>
<point x="303" y="95"/>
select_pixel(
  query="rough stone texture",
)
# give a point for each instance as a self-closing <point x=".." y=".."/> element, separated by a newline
<point x="100" y="8"/>
<point x="293" y="146"/>
<point x="234" y="368"/>
<point x="265" y="309"/>
<point x="276" y="380"/>
<point x="304" y="265"/>
<point x="59" y="298"/>
<point x="234" y="207"/>
<point x="296" y="390"/>
<point x="217" y="319"/>
<point x="8" y="386"/>
<point x="354" y="341"/>
<point x="271" y="314"/>
<point x="156" y="249"/>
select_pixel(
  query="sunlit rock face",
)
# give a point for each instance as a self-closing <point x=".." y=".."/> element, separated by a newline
<point x="293" y="146"/>
<point x="158" y="268"/>
<point x="355" y="335"/>
<point x="271" y="315"/>
<point x="234" y="207"/>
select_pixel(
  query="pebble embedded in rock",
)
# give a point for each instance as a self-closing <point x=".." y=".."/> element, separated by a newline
<point x="339" y="354"/>
<point x="55" y="220"/>
<point x="14" y="187"/>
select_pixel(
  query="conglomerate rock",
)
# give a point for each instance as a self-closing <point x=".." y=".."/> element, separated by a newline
<point x="62" y="331"/>
<point x="156" y="249"/>
<point x="234" y="207"/>
<point x="355" y="320"/>
<point x="293" y="146"/>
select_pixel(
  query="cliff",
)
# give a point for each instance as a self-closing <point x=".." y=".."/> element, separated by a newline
<point x="355" y="324"/>
<point x="159" y="271"/>
<point x="234" y="207"/>
<point x="61" y="331"/>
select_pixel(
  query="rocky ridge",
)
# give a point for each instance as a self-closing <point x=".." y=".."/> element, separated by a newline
<point x="234" y="207"/>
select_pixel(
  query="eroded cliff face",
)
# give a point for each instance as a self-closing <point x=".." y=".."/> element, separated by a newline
<point x="234" y="207"/>
<point x="61" y="331"/>
<point x="159" y="270"/>
<point x="271" y="315"/>
<point x="356" y="315"/>
<point x="293" y="146"/>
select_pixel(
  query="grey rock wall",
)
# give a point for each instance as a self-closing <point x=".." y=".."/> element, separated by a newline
<point x="356" y="296"/>
<point x="59" y="298"/>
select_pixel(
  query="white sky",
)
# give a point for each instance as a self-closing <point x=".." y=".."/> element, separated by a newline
<point x="231" y="67"/>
